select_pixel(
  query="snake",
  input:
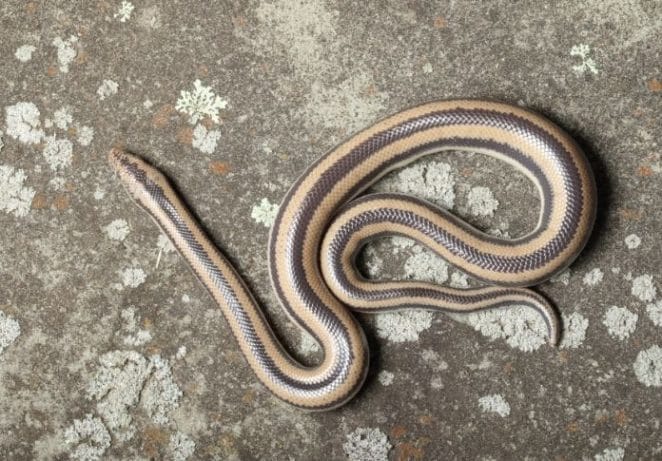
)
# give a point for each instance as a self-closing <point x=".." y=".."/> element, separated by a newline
<point x="324" y="221"/>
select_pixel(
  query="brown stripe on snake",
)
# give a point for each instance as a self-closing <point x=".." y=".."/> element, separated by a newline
<point x="536" y="146"/>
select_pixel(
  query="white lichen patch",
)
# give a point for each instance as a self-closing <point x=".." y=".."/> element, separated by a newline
<point x="654" y="311"/>
<point x="66" y="52"/>
<point x="107" y="89"/>
<point x="133" y="277"/>
<point x="304" y="30"/>
<point x="117" y="230"/>
<point x="124" y="11"/>
<point x="644" y="288"/>
<point x="427" y="68"/>
<point x="164" y="244"/>
<point x="402" y="326"/>
<point x="160" y="394"/>
<point x="385" y="378"/>
<point x="459" y="280"/>
<point x="494" y="403"/>
<point x="346" y="106"/>
<point x="620" y="322"/>
<point x="522" y="327"/>
<point x="88" y="438"/>
<point x="84" y="135"/>
<point x="433" y="360"/>
<point x="15" y="198"/>
<point x="371" y="264"/>
<point x="58" y="152"/>
<point x="481" y="202"/>
<point x="63" y="118"/>
<point x="587" y="64"/>
<point x="125" y="380"/>
<point x="610" y="454"/>
<point x="648" y="366"/>
<point x="265" y="212"/>
<point x="199" y="103"/>
<point x="367" y="444"/>
<point x="205" y="140"/>
<point x="181" y="446"/>
<point x="181" y="353"/>
<point x="9" y="331"/>
<point x="307" y="344"/>
<point x="432" y="181"/>
<point x="24" y="52"/>
<point x="632" y="241"/>
<point x="136" y="336"/>
<point x="23" y="122"/>
<point x="593" y="277"/>
<point x="562" y="277"/>
<point x="426" y="266"/>
<point x="116" y="387"/>
<point x="574" y="330"/>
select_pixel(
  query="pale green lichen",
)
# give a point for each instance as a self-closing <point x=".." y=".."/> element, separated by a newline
<point x="84" y="135"/>
<point x="107" y="89"/>
<point x="403" y="326"/>
<point x="118" y="229"/>
<point x="88" y="437"/>
<point x="205" y="140"/>
<point x="632" y="241"/>
<point x="265" y="212"/>
<point x="200" y="103"/>
<point x="24" y="52"/>
<point x="521" y="327"/>
<point x="582" y="51"/>
<point x="9" y="331"/>
<point x="643" y="287"/>
<point x="574" y="330"/>
<point x="124" y="11"/>
<point x="15" y="197"/>
<point x="620" y="322"/>
<point x="385" y="378"/>
<point x="181" y="446"/>
<point x="65" y="52"/>
<point x="63" y="118"/>
<point x="593" y="277"/>
<point x="655" y="312"/>
<point x="367" y="444"/>
<point x="610" y="454"/>
<point x="481" y="201"/>
<point x="58" y="152"/>
<point x="23" y="122"/>
<point x="494" y="403"/>
<point x="648" y="366"/>
<point x="133" y="277"/>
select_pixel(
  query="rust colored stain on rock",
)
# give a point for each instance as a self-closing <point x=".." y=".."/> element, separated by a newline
<point x="218" y="167"/>
<point x="440" y="22"/>
<point x="162" y="116"/>
<point x="39" y="201"/>
<point x="654" y="85"/>
<point x="61" y="202"/>
<point x="185" y="135"/>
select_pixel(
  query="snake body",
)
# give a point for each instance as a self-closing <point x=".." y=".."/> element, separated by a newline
<point x="321" y="226"/>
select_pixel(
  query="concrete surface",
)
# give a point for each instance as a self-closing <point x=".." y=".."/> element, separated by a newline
<point x="109" y="347"/>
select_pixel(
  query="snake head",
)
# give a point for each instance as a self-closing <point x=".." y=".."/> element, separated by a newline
<point x="140" y="179"/>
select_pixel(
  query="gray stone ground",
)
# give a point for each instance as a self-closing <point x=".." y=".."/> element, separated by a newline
<point x="109" y="347"/>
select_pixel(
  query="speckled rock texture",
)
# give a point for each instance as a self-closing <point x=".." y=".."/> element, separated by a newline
<point x="110" y="348"/>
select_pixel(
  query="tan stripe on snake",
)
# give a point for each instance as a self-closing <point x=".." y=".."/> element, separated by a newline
<point x="321" y="226"/>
